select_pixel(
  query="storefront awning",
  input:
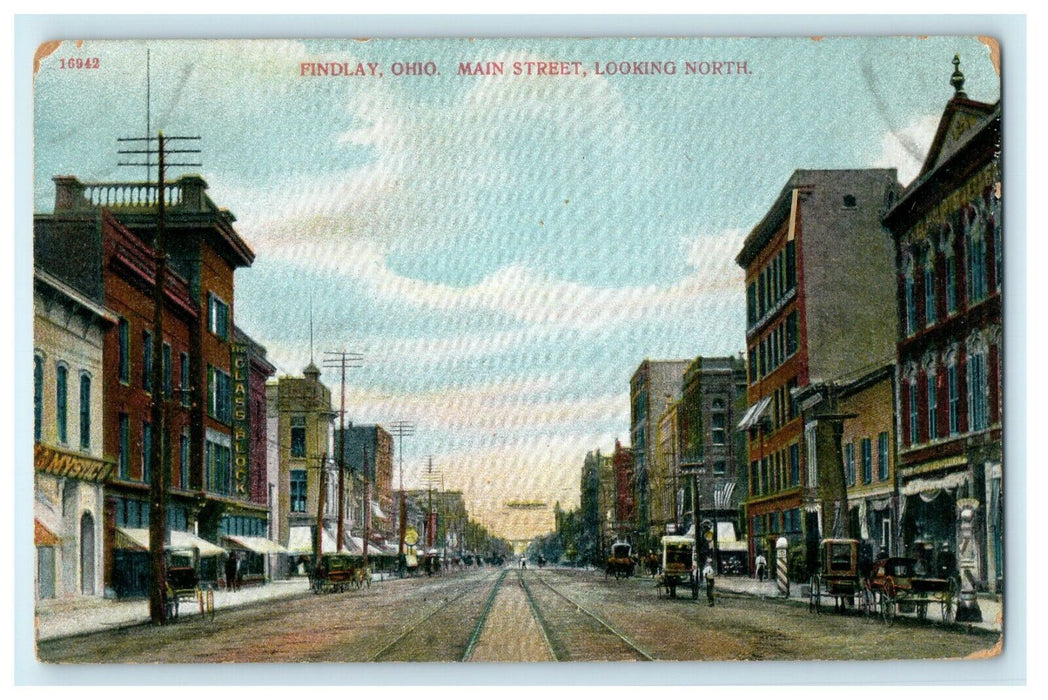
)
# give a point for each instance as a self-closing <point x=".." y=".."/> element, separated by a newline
<point x="301" y="541"/>
<point x="258" y="545"/>
<point x="754" y="413"/>
<point x="137" y="539"/>
<point x="42" y="537"/>
<point x="377" y="512"/>
<point x="930" y="488"/>
<point x="187" y="540"/>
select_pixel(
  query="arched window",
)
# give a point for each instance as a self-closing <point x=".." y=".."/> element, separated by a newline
<point x="910" y="299"/>
<point x="975" y="242"/>
<point x="950" y="267"/>
<point x="929" y="286"/>
<point x="38" y="395"/>
<point x="995" y="227"/>
<point x="85" y="411"/>
<point x="61" y="403"/>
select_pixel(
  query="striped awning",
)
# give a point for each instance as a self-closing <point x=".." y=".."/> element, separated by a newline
<point x="754" y="413"/>
<point x="42" y="537"/>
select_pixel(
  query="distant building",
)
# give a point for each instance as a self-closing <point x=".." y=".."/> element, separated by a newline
<point x="707" y="415"/>
<point x="70" y="469"/>
<point x="946" y="227"/>
<point x="377" y="442"/>
<point x="302" y="433"/>
<point x="651" y="384"/>
<point x="820" y="286"/>
<point x="606" y="503"/>
<point x="589" y="505"/>
<point x="625" y="491"/>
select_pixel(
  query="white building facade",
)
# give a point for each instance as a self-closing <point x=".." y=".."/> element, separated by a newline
<point x="69" y="467"/>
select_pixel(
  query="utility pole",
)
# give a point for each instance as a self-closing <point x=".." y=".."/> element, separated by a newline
<point x="402" y="429"/>
<point x="367" y="504"/>
<point x="318" y="537"/>
<point x="160" y="476"/>
<point x="342" y="360"/>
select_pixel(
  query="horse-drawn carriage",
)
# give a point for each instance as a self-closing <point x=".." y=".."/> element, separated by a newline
<point x="840" y="576"/>
<point x="182" y="583"/>
<point x="621" y="563"/>
<point x="337" y="572"/>
<point x="678" y="567"/>
<point x="884" y="587"/>
<point x="899" y="585"/>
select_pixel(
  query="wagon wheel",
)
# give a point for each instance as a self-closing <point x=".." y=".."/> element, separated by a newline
<point x="695" y="587"/>
<point x="866" y="602"/>
<point x="814" y="594"/>
<point x="948" y="605"/>
<point x="888" y="594"/>
<point x="209" y="603"/>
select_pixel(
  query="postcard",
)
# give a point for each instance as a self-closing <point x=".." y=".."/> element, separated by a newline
<point x="525" y="349"/>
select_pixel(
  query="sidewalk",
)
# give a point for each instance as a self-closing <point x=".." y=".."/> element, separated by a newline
<point x="990" y="605"/>
<point x="63" y="617"/>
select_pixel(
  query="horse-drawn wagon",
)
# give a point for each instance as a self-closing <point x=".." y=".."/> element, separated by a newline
<point x="898" y="584"/>
<point x="678" y="567"/>
<point x="338" y="572"/>
<point x="841" y="577"/>
<point x="621" y="563"/>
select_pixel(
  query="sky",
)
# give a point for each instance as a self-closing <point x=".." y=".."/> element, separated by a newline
<point x="503" y="250"/>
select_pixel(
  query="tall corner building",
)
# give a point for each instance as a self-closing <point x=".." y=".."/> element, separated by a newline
<point x="820" y="307"/>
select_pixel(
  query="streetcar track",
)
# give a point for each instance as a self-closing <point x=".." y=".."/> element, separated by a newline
<point x="603" y="623"/>
<point x="384" y="651"/>
<point x="543" y="625"/>
<point x="466" y="655"/>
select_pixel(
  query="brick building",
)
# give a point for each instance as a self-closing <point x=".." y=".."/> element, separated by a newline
<point x="625" y="491"/>
<point x="946" y="227"/>
<point x="653" y="384"/>
<point x="378" y="443"/>
<point x="101" y="236"/>
<point x="819" y="289"/>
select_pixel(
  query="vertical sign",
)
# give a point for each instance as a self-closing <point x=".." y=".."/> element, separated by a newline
<point x="241" y="424"/>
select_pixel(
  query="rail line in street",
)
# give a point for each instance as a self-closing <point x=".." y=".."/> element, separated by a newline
<point x="632" y="646"/>
<point x="385" y="652"/>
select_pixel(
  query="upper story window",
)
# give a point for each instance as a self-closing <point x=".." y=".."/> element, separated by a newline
<point x="217" y="316"/>
<point x="38" y="395"/>
<point x="914" y="439"/>
<point x="147" y="361"/>
<point x="184" y="377"/>
<point x="954" y="397"/>
<point x="933" y="407"/>
<point x="166" y="359"/>
<point x="929" y="287"/>
<point x="61" y="403"/>
<point x="123" y="339"/>
<point x="85" y="411"/>
<point x="978" y="392"/>
<point x="975" y="242"/>
<point x="910" y="297"/>
<point x="298" y="436"/>
<point x="882" y="456"/>
<point x="219" y="393"/>
<point x="849" y="463"/>
<point x="867" y="460"/>
<point x="123" y="457"/>
<point x="298" y="490"/>
<point x="718" y="418"/>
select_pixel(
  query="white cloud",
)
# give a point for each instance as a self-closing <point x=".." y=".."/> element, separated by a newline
<point x="906" y="148"/>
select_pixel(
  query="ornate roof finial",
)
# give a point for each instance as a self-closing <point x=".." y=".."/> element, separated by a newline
<point x="957" y="79"/>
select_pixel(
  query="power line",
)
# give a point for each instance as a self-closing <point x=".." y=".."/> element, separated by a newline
<point x="344" y="360"/>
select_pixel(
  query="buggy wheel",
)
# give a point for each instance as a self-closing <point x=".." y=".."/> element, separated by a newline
<point x="814" y="594"/>
<point x="948" y="606"/>
<point x="866" y="603"/>
<point x="888" y="602"/>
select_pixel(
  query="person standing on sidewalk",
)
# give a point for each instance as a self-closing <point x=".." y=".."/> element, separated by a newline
<point x="231" y="571"/>
<point x="707" y="573"/>
<point x="761" y="565"/>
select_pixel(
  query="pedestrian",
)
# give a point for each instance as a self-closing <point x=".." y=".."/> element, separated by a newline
<point x="231" y="571"/>
<point x="761" y="564"/>
<point x="238" y="574"/>
<point x="707" y="573"/>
